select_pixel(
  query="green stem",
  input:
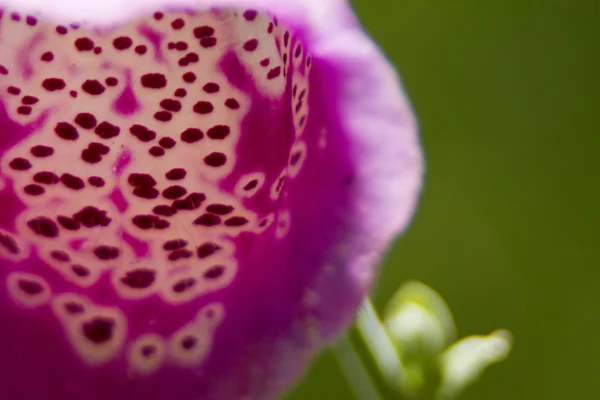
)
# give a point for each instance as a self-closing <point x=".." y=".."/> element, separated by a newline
<point x="380" y="346"/>
<point x="353" y="368"/>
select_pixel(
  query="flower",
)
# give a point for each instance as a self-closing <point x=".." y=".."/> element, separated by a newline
<point x="195" y="193"/>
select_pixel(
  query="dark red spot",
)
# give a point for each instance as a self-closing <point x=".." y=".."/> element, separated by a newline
<point x="20" y="164"/>
<point x="189" y="77"/>
<point x="167" y="142"/>
<point x="176" y="174"/>
<point x="270" y="29"/>
<point x="176" y="244"/>
<point x="215" y="159"/>
<point x="208" y="42"/>
<point x="158" y="16"/>
<point x="31" y="21"/>
<point x="138" y="180"/>
<point x="274" y="73"/>
<point x="73" y="93"/>
<point x="141" y="49"/>
<point x="181" y="46"/>
<point x="34" y="190"/>
<point x="165" y="211"/>
<point x="24" y="110"/>
<point x="178" y="24"/>
<point x="90" y="157"/>
<point x="179" y="254"/>
<point x="68" y="223"/>
<point x="43" y="226"/>
<point x="144" y="222"/>
<point x="302" y="120"/>
<point x="46" y="178"/>
<point x="106" y="252"/>
<point x="15" y="91"/>
<point x="93" y="87"/>
<point x="211" y="87"/>
<point x="215" y="272"/>
<point x="142" y="133"/>
<point x="192" y="58"/>
<point x="84" y="44"/>
<point x="9" y="243"/>
<point x="171" y="105"/>
<point x="285" y="57"/>
<point x="106" y="130"/>
<point x="265" y="62"/>
<point x="99" y="330"/>
<point x="190" y="203"/>
<point x="203" y="107"/>
<point x="295" y="158"/>
<point x="236" y="221"/>
<point x="308" y="60"/>
<point x="111" y="81"/>
<point x="148" y="350"/>
<point x="219" y="209"/>
<point x="280" y="184"/>
<point x="74" y="308"/>
<point x="208" y="249"/>
<point x="191" y="135"/>
<point x="232" y="103"/>
<point x="251" y="45"/>
<point x="60" y="255"/>
<point x="298" y="51"/>
<point x="47" y="56"/>
<point x="203" y="32"/>
<point x="53" y="84"/>
<point x="156" y="151"/>
<point x="251" y="185"/>
<point x="91" y="217"/>
<point x="189" y="342"/>
<point x="250" y="15"/>
<point x="29" y="100"/>
<point x="122" y="43"/>
<point x="218" y="132"/>
<point x="174" y="192"/>
<point x="96" y="181"/>
<point x="66" y="131"/>
<point x="72" y="181"/>
<point x="286" y="39"/>
<point x="163" y="116"/>
<point x="80" y="270"/>
<point x="61" y="30"/>
<point x="86" y="120"/>
<point x="141" y="278"/>
<point x="97" y="50"/>
<point x="180" y="92"/>
<point x="208" y="220"/>
<point x="154" y="81"/>
<point x="41" y="151"/>
<point x="30" y="287"/>
<point x="184" y="285"/>
<point x="146" y="192"/>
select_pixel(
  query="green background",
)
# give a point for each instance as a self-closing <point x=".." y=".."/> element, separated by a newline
<point x="506" y="92"/>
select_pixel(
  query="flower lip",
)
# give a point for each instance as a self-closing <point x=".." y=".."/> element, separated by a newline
<point x="311" y="158"/>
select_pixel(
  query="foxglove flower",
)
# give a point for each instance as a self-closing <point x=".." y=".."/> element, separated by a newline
<point x="195" y="193"/>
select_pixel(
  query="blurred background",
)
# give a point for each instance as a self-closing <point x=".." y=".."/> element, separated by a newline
<point x="507" y="97"/>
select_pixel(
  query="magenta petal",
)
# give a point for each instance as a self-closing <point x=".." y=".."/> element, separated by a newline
<point x="195" y="194"/>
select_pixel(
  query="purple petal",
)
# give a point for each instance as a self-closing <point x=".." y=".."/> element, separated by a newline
<point x="195" y="194"/>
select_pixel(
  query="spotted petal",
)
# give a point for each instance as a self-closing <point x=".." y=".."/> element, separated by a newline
<point x="195" y="194"/>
